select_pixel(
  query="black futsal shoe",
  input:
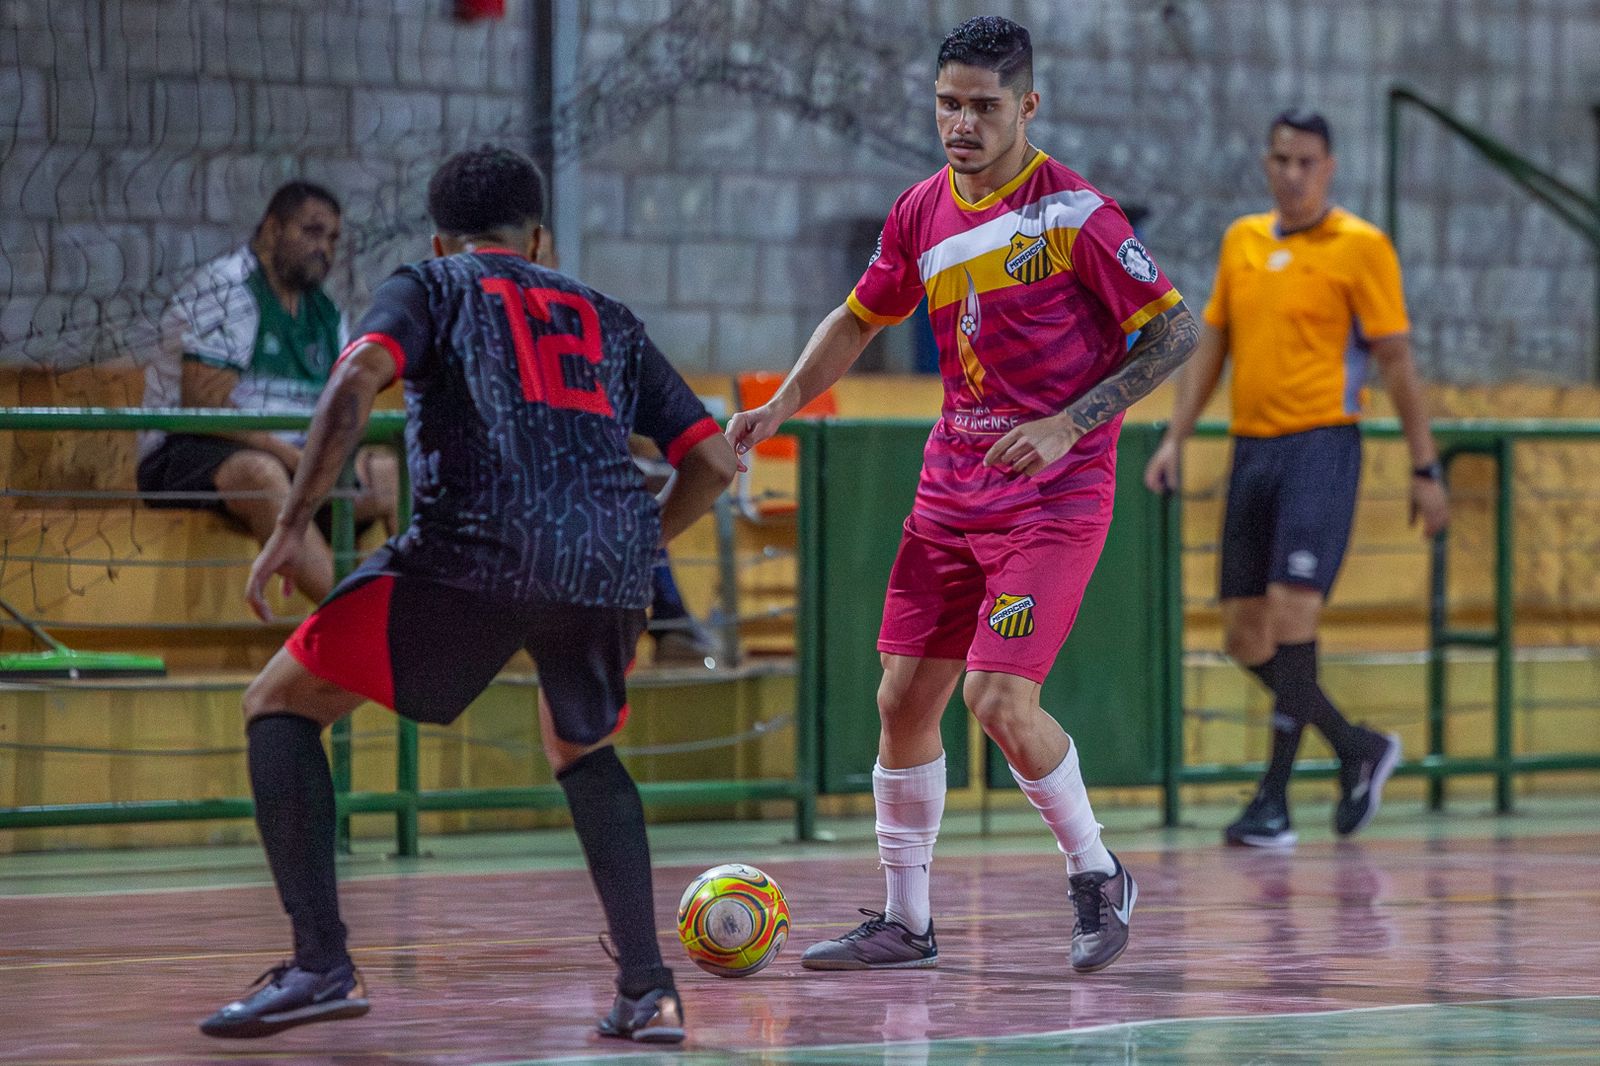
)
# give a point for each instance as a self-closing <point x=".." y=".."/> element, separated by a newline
<point x="287" y="996"/>
<point x="1264" y="824"/>
<point x="1361" y="781"/>
<point x="654" y="1018"/>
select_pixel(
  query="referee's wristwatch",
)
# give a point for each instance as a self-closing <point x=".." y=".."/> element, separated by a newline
<point x="1433" y="471"/>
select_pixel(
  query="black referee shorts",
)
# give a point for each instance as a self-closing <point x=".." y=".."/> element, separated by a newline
<point x="1291" y="503"/>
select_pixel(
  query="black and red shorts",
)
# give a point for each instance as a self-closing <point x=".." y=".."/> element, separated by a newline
<point x="426" y="650"/>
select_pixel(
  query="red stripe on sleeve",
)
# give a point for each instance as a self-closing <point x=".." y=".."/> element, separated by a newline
<point x="388" y="343"/>
<point x="689" y="438"/>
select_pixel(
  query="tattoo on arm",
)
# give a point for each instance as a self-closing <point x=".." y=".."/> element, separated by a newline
<point x="1163" y="345"/>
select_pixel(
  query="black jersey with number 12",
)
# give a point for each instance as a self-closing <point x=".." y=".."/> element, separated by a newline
<point x="521" y="389"/>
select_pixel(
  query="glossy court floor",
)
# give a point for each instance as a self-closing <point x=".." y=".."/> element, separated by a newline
<point x="1458" y="938"/>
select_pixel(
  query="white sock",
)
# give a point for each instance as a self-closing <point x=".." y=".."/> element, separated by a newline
<point x="1061" y="800"/>
<point x="910" y="803"/>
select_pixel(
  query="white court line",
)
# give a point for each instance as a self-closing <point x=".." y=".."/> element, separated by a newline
<point x="1060" y="1033"/>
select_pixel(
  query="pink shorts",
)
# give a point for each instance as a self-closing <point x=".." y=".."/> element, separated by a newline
<point x="1003" y="600"/>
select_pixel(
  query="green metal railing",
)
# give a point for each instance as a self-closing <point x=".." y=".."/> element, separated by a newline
<point x="1578" y="211"/>
<point x="409" y="798"/>
<point x="1494" y="439"/>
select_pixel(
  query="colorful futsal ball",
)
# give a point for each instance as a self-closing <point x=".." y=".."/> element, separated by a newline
<point x="733" y="920"/>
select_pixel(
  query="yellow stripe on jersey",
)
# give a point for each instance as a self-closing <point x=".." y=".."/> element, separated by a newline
<point x="988" y="273"/>
<point x="869" y="316"/>
<point x="1150" y="310"/>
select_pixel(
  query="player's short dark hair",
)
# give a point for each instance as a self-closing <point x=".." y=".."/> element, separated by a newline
<point x="992" y="43"/>
<point x="484" y="189"/>
<point x="291" y="195"/>
<point x="1305" y="121"/>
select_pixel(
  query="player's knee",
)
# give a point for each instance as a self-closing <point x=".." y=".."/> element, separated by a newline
<point x="898" y="710"/>
<point x="1001" y="714"/>
<point x="263" y="697"/>
<point x="251" y="470"/>
<point x="1247" y="645"/>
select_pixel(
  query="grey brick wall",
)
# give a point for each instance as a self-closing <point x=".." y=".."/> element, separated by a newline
<point x="141" y="137"/>
<point x="791" y="125"/>
<point x="733" y="157"/>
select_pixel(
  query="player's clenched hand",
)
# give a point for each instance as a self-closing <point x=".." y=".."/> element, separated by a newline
<point x="278" y="556"/>
<point x="1032" y="446"/>
<point x="1161" y="474"/>
<point x="1431" y="503"/>
<point x="746" y="429"/>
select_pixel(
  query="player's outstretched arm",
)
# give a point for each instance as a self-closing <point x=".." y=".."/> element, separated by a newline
<point x="834" y="346"/>
<point x="1164" y="343"/>
<point x="1197" y="380"/>
<point x="336" y="429"/>
<point x="704" y="473"/>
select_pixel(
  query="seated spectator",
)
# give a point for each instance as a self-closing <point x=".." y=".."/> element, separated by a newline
<point x="254" y="330"/>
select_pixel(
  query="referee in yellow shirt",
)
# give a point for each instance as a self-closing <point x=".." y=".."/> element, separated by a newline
<point x="1306" y="298"/>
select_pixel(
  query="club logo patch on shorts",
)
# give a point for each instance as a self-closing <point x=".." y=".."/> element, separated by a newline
<point x="1012" y="616"/>
<point x="1302" y="564"/>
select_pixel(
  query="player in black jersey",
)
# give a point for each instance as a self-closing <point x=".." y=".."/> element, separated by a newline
<point x="531" y="529"/>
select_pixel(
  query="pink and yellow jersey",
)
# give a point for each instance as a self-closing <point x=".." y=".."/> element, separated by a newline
<point x="1031" y="291"/>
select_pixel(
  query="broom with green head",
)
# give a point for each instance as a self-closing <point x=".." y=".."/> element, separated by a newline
<point x="60" y="661"/>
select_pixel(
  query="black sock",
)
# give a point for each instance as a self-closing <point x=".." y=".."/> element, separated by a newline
<point x="1285" y="746"/>
<point x="609" y="819"/>
<point x="295" y="816"/>
<point x="1301" y="698"/>
<point x="1285" y="735"/>
<point x="1266" y="672"/>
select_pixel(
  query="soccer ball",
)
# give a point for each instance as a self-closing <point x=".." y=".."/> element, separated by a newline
<point x="733" y="920"/>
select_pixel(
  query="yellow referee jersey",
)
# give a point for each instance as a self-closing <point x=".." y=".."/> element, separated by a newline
<point x="1300" y="312"/>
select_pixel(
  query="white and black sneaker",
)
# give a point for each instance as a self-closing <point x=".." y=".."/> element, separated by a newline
<point x="876" y="944"/>
<point x="1361" y="781"/>
<point x="1103" y="904"/>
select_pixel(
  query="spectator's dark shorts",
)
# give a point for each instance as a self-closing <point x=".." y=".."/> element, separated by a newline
<point x="1291" y="502"/>
<point x="185" y="462"/>
<point x="426" y="650"/>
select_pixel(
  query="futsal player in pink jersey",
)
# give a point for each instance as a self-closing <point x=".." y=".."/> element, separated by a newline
<point x="1033" y="279"/>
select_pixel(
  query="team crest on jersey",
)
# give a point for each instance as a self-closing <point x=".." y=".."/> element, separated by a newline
<point x="1136" y="261"/>
<point x="1011" y="616"/>
<point x="1028" y="258"/>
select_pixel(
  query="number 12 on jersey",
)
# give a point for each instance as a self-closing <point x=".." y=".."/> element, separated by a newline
<point x="539" y="358"/>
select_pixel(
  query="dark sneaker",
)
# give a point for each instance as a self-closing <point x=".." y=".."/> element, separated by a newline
<point x="1361" y="783"/>
<point x="875" y="944"/>
<point x="289" y="996"/>
<point x="1264" y="824"/>
<point x="1103" y="903"/>
<point x="689" y="645"/>
<point x="654" y="1018"/>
